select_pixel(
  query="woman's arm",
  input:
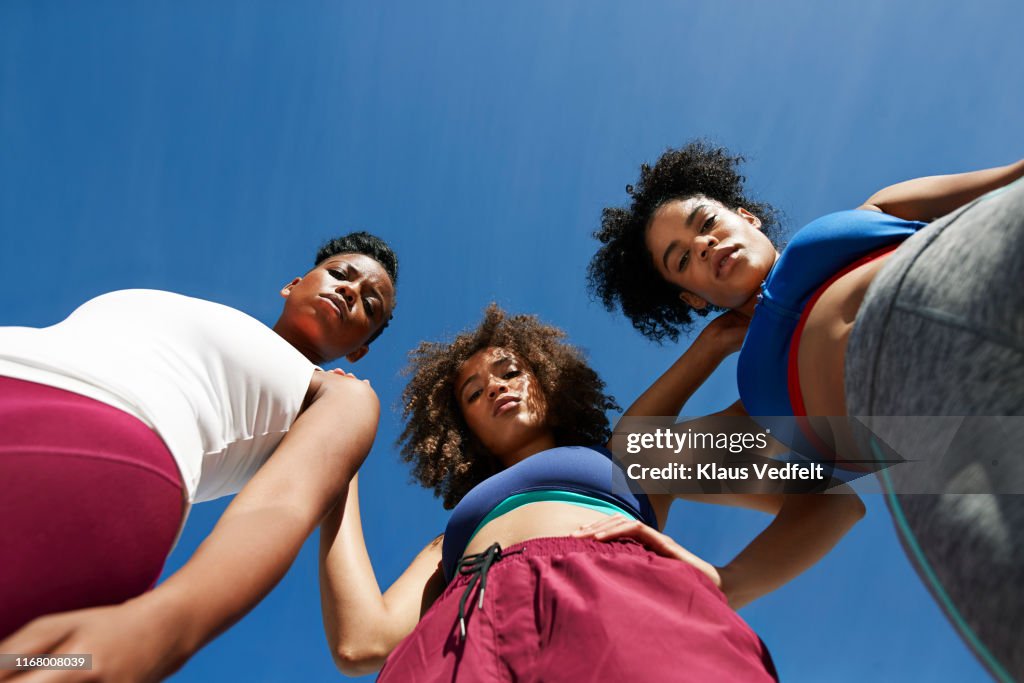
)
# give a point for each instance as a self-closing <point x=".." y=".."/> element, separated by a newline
<point x="805" y="528"/>
<point x="667" y="395"/>
<point x="250" y="549"/>
<point x="925" y="199"/>
<point x="362" y="625"/>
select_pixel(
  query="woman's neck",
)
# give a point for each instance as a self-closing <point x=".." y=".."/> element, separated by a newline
<point x="747" y="307"/>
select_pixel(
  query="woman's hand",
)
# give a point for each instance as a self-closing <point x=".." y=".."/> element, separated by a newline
<point x="343" y="373"/>
<point x="617" y="527"/>
<point x="667" y="395"/>
<point x="127" y="642"/>
<point x="727" y="331"/>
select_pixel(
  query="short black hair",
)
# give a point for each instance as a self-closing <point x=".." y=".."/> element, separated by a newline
<point x="621" y="272"/>
<point x="368" y="245"/>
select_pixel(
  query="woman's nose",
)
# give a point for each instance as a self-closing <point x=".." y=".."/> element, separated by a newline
<point x="497" y="389"/>
<point x="346" y="290"/>
<point x="703" y="245"/>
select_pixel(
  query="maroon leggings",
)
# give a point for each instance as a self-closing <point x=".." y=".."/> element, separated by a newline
<point x="90" y="503"/>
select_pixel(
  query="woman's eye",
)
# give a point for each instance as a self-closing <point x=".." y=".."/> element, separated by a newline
<point x="511" y="374"/>
<point x="684" y="260"/>
<point x="369" y="307"/>
<point x="336" y="274"/>
<point x="708" y="223"/>
<point x="474" y="396"/>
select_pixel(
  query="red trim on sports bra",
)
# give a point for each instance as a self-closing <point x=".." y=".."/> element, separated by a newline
<point x="796" y="398"/>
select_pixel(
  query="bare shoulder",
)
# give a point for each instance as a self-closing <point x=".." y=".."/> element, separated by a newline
<point x="339" y="400"/>
<point x="340" y="388"/>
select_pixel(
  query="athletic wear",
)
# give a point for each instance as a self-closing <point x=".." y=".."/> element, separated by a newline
<point x="941" y="333"/>
<point x="796" y="397"/>
<point x="550" y="496"/>
<point x="588" y="471"/>
<point x="90" y="498"/>
<point x="219" y="387"/>
<point x="576" y="610"/>
<point x="816" y="253"/>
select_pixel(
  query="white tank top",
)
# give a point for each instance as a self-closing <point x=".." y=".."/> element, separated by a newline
<point x="219" y="387"/>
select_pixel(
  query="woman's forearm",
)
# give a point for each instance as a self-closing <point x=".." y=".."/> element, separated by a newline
<point x="362" y="625"/>
<point x="925" y="199"/>
<point x="350" y="597"/>
<point x="246" y="555"/>
<point x="261" y="532"/>
<point x="670" y="392"/>
<point x="673" y="389"/>
<point x="806" y="527"/>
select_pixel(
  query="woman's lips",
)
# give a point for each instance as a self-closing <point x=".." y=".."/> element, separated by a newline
<point x="725" y="261"/>
<point x="339" y="304"/>
<point x="505" y="404"/>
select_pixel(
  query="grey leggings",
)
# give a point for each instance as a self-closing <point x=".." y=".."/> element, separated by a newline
<point x="941" y="333"/>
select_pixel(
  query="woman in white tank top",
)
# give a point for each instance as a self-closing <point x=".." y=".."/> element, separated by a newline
<point x="140" y="403"/>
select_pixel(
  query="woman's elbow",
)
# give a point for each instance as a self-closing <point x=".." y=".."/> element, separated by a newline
<point x="358" y="660"/>
<point x="842" y="508"/>
<point x="849" y="506"/>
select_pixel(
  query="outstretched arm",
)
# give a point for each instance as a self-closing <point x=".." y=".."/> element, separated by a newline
<point x="924" y="199"/>
<point x="250" y="549"/>
<point x="362" y="625"/>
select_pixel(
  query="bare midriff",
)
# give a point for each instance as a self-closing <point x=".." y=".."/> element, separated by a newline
<point x="821" y="356"/>
<point x="535" y="520"/>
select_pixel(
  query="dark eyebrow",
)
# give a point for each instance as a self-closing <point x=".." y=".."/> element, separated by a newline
<point x="694" y="213"/>
<point x="338" y="264"/>
<point x="664" y="257"/>
<point x="372" y="289"/>
<point x="376" y="292"/>
<point x="494" y="366"/>
<point x="507" y="360"/>
<point x="468" y="380"/>
<point x="675" y="243"/>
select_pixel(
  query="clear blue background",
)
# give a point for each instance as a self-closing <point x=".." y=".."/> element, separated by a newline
<point x="208" y="148"/>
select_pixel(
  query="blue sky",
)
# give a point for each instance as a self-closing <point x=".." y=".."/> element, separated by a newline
<point x="208" y="148"/>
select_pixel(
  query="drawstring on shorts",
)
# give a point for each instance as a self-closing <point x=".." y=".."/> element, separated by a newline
<point x="478" y="565"/>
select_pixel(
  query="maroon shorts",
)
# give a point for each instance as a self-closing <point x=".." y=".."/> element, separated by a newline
<point x="577" y="610"/>
<point x="90" y="503"/>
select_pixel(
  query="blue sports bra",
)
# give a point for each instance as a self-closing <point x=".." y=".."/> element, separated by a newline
<point x="817" y="252"/>
<point x="586" y="471"/>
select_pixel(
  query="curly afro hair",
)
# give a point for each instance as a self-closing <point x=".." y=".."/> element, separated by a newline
<point x="446" y="457"/>
<point x="621" y="272"/>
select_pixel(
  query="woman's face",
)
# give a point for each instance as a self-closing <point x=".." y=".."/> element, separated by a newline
<point x="715" y="255"/>
<point x="337" y="306"/>
<point x="503" y="405"/>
